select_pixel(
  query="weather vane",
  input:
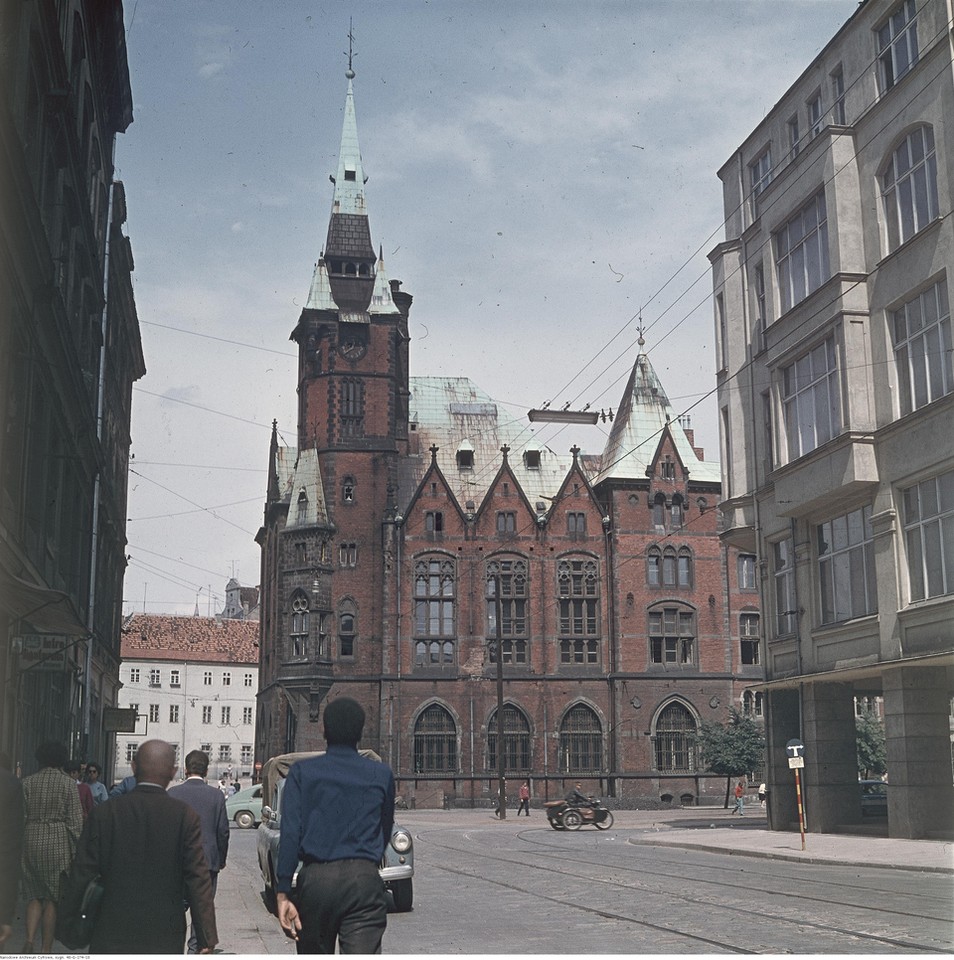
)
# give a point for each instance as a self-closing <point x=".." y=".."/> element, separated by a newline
<point x="350" y="73"/>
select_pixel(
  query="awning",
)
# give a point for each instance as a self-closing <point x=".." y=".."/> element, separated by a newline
<point x="867" y="671"/>
<point x="46" y="610"/>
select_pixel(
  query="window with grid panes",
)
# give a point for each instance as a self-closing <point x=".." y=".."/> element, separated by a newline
<point x="246" y="715"/>
<point x="226" y="716"/>
<point x="846" y="569"/>
<point x="435" y="622"/>
<point x="929" y="536"/>
<point x="206" y="714"/>
<point x="578" y="588"/>
<point x="811" y="399"/>
<point x="581" y="741"/>
<point x="173" y="713"/>
<point x="922" y="348"/>
<point x="783" y="554"/>
<point x="435" y="741"/>
<point x="506" y="522"/>
<point x="153" y="712"/>
<point x="909" y="187"/>
<point x="155" y="678"/>
<point x="749" y="633"/>
<point x="897" y="41"/>
<point x="246" y="754"/>
<point x="675" y="740"/>
<point x="746" y="569"/>
<point x="298" y="634"/>
<point x="801" y="253"/>
<point x="672" y="636"/>
<point x="516" y="740"/>
<point x="513" y="635"/>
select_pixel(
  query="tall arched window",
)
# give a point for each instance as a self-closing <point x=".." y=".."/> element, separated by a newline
<point x="435" y="741"/>
<point x="347" y="628"/>
<point x="298" y="633"/>
<point x="578" y="584"/>
<point x="659" y="511"/>
<point x="675" y="740"/>
<point x="669" y="567"/>
<point x="352" y="408"/>
<point x="516" y="745"/>
<point x="654" y="566"/>
<point x="581" y="741"/>
<point x="435" y="623"/>
<point x="909" y="187"/>
<point x="676" y="512"/>
<point x="512" y="577"/>
<point x="684" y="567"/>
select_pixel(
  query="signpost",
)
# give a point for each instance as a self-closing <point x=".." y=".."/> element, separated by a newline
<point x="795" y="751"/>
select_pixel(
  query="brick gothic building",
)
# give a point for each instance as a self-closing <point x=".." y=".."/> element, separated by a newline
<point x="624" y="621"/>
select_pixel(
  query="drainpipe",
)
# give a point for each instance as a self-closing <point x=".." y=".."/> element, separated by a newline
<point x="100" y="398"/>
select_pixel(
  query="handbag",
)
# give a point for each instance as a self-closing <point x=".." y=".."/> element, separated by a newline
<point x="75" y="929"/>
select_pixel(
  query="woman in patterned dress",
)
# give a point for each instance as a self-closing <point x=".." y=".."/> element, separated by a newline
<point x="54" y="820"/>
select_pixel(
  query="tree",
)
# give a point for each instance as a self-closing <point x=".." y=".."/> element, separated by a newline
<point x="733" y="748"/>
<point x="869" y="737"/>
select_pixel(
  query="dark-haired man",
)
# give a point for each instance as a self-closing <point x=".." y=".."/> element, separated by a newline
<point x="209" y="804"/>
<point x="337" y="815"/>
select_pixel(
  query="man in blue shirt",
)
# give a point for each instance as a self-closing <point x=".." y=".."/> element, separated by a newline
<point x="337" y="815"/>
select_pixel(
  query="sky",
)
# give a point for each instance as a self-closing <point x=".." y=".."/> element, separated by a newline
<point x="541" y="176"/>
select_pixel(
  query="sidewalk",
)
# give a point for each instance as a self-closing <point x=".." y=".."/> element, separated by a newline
<point x="750" y="837"/>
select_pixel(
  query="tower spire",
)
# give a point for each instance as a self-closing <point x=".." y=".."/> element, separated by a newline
<point x="349" y="254"/>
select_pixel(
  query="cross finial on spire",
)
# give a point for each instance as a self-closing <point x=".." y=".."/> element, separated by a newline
<point x="641" y="341"/>
<point x="350" y="73"/>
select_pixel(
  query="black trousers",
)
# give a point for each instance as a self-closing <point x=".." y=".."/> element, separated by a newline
<point x="343" y="901"/>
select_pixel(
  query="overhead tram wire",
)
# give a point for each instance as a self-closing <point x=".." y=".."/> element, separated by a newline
<point x="744" y="201"/>
<point x="740" y="206"/>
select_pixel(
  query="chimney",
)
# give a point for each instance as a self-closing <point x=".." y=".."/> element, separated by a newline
<point x="401" y="299"/>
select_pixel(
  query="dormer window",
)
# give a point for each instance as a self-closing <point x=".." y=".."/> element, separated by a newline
<point x="668" y="469"/>
<point x="351" y="175"/>
<point x="531" y="459"/>
<point x="465" y="456"/>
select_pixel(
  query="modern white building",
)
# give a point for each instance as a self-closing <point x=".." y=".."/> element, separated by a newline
<point x="193" y="682"/>
<point x="836" y="387"/>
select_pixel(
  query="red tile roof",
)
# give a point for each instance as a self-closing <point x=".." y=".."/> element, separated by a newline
<point x="198" y="639"/>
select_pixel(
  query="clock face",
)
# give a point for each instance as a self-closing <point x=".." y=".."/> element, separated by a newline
<point x="351" y="349"/>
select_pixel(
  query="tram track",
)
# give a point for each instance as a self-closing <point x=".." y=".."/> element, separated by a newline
<point x="651" y="881"/>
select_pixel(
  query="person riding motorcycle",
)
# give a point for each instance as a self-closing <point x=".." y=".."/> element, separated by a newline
<point x="576" y="797"/>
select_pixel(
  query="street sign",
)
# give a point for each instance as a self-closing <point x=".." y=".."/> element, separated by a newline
<point x="119" y="719"/>
<point x="795" y="749"/>
<point x="43" y="651"/>
<point x="796" y="763"/>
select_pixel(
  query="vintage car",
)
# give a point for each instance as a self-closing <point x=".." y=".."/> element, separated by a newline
<point x="396" y="867"/>
<point x="874" y="798"/>
<point x="245" y="807"/>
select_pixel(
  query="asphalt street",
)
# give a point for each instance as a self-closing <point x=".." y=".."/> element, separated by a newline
<point x="695" y="882"/>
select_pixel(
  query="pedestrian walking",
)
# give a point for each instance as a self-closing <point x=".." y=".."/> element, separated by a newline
<point x="97" y="788"/>
<point x="762" y="794"/>
<point x="54" y="819"/>
<point x="337" y="815"/>
<point x="739" y="798"/>
<point x="501" y="799"/>
<point x="209" y="804"/>
<point x="72" y="769"/>
<point x="11" y="844"/>
<point x="147" y="849"/>
<point x="524" y="798"/>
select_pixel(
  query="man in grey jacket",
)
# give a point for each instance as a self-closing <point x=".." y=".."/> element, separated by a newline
<point x="209" y="803"/>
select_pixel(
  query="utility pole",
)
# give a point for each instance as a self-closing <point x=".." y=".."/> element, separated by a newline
<point x="501" y="781"/>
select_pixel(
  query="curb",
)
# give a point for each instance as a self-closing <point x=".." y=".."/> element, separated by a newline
<point x="792" y="858"/>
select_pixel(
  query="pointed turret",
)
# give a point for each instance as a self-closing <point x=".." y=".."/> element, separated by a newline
<point x="644" y="413"/>
<point x="349" y="254"/>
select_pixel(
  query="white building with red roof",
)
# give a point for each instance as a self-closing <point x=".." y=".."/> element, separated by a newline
<point x="192" y="681"/>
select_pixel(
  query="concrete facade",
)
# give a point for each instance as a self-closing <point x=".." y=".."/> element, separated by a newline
<point x="408" y="502"/>
<point x="70" y="352"/>
<point x="193" y="682"/>
<point x="836" y="386"/>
